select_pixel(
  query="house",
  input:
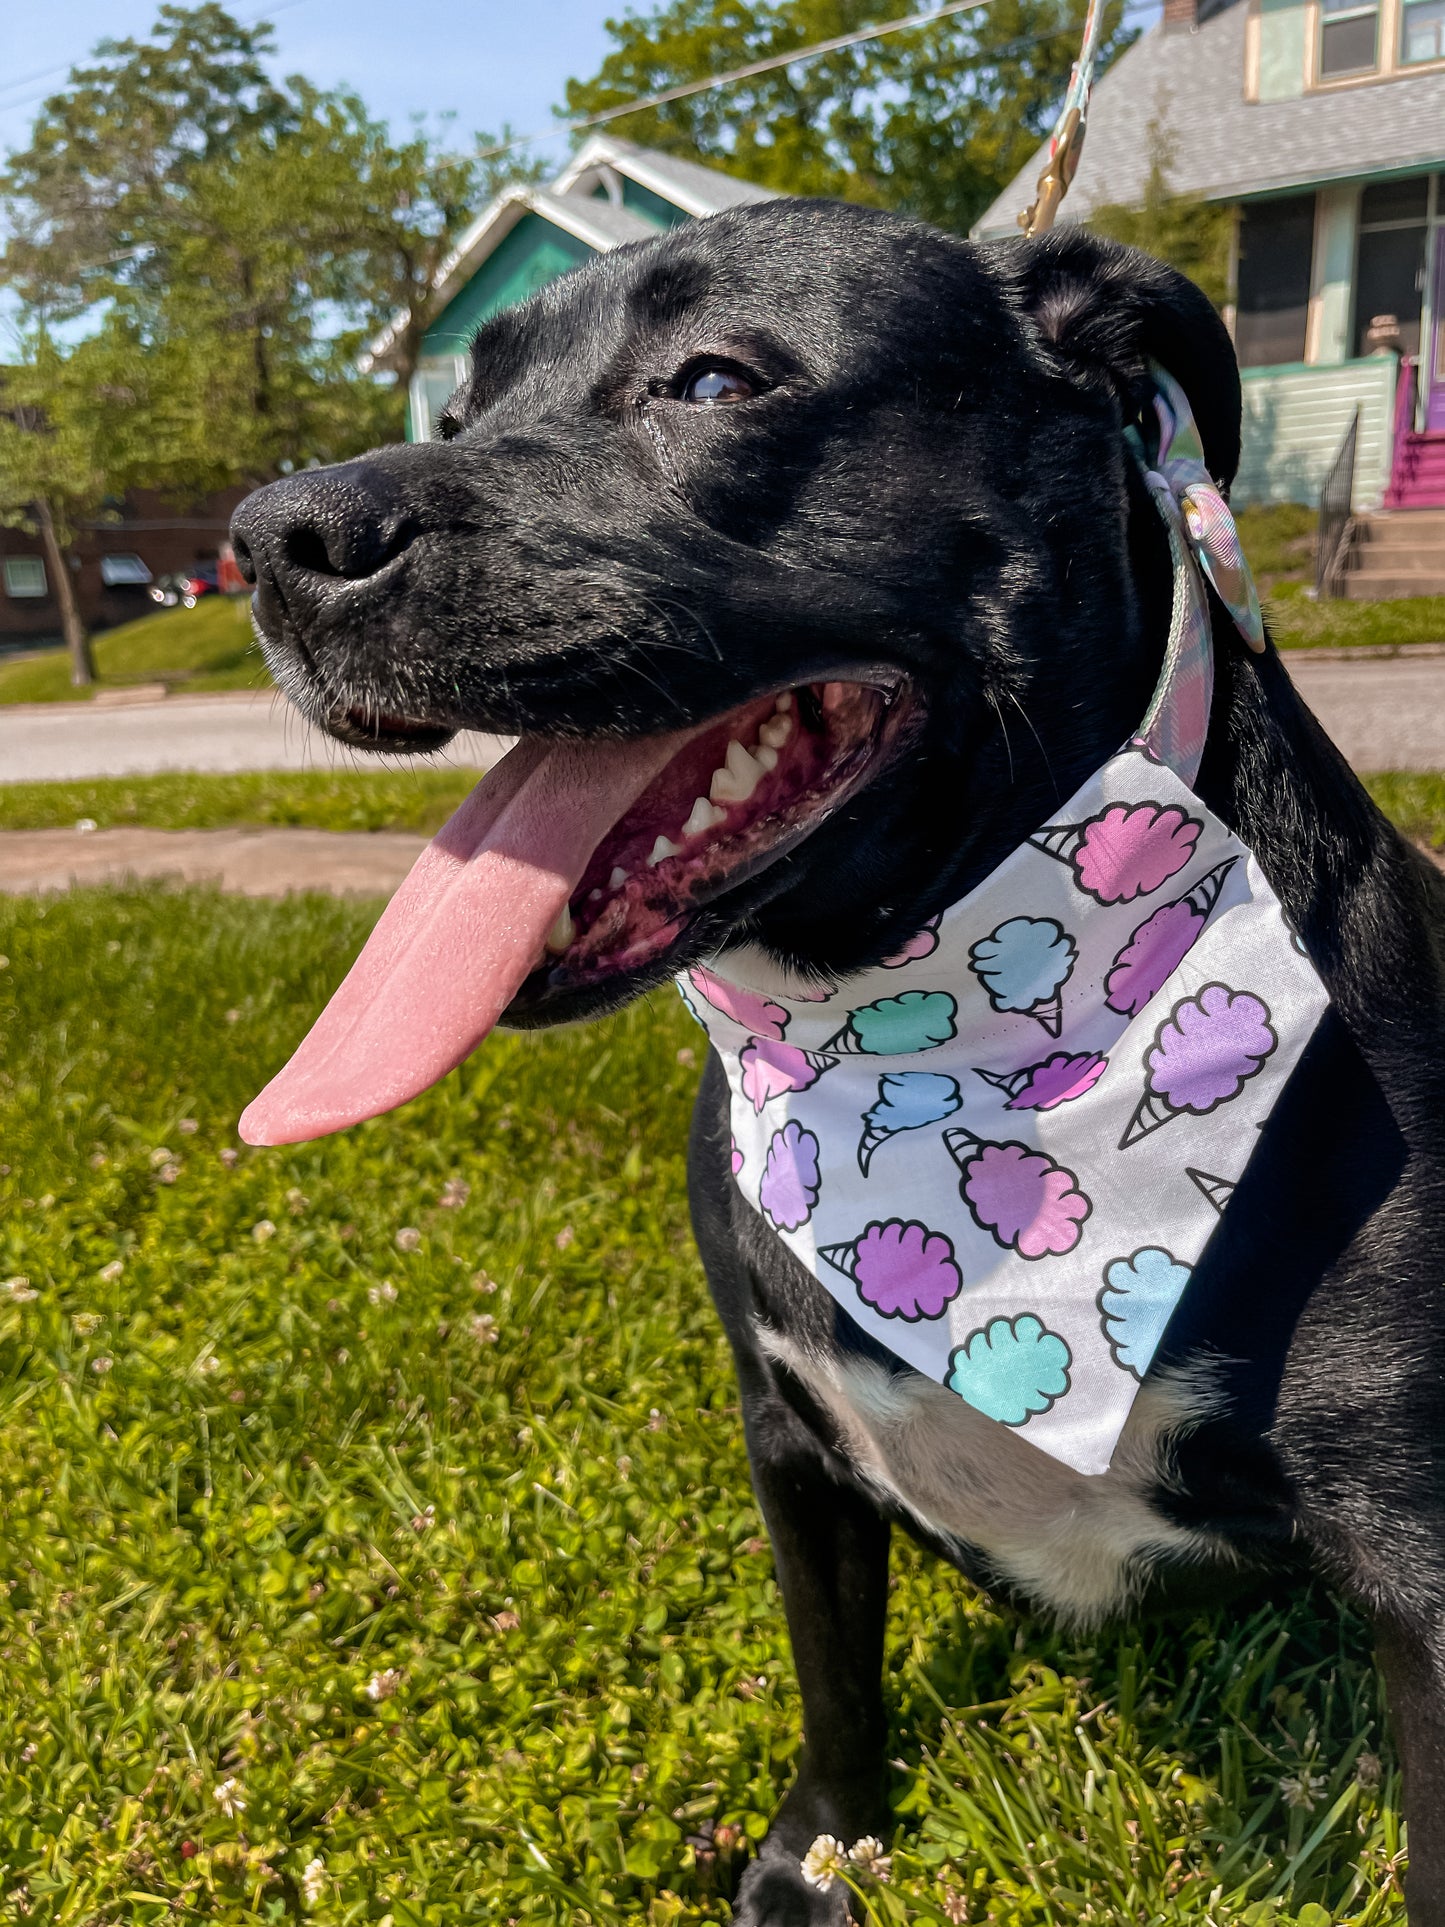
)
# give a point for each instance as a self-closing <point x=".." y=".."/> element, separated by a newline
<point x="115" y="561"/>
<point x="1322" y="124"/>
<point x="610" y="192"/>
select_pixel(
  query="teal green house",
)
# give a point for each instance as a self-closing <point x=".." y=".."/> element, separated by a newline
<point x="610" y="192"/>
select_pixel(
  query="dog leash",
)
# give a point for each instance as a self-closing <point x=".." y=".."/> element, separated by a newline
<point x="1066" y="144"/>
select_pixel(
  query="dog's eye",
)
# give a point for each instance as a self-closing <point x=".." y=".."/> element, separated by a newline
<point x="717" y="381"/>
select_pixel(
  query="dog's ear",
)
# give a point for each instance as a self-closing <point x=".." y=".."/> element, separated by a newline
<point x="1105" y="311"/>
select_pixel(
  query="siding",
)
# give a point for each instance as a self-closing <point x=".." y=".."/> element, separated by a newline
<point x="534" y="253"/>
<point x="1295" y="418"/>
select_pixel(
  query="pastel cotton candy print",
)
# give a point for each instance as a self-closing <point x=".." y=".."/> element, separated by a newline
<point x="746" y="1007"/>
<point x="898" y="1026"/>
<point x="1126" y="851"/>
<point x="1023" y="965"/>
<point x="1043" y="1087"/>
<point x="902" y="1269"/>
<point x="1030" y="1204"/>
<point x="922" y="944"/>
<point x="771" y="1068"/>
<point x="789" y="1187"/>
<point x="907" y="1100"/>
<point x="1011" y="1369"/>
<point x="1161" y="943"/>
<point x="1140" y="1292"/>
<point x="1203" y="1054"/>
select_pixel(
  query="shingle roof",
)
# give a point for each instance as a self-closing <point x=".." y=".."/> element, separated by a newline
<point x="1224" y="146"/>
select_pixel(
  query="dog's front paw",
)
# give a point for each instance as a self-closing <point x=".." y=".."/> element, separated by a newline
<point x="774" y="1893"/>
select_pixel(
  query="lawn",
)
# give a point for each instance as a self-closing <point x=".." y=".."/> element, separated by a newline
<point x="377" y="1544"/>
<point x="211" y="647"/>
<point x="418" y="799"/>
<point x="206" y="648"/>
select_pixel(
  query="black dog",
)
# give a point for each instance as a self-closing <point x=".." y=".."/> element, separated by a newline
<point x="812" y="449"/>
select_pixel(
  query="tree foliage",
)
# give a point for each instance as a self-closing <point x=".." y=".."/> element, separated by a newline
<point x="933" y="122"/>
<point x="247" y="232"/>
<point x="1179" y="229"/>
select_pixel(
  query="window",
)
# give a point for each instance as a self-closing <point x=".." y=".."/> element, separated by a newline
<point x="1276" y="243"/>
<point x="1422" y="30"/>
<point x="123" y="571"/>
<point x="24" y="576"/>
<point x="432" y="387"/>
<point x="1349" y="38"/>
<point x="1390" y="269"/>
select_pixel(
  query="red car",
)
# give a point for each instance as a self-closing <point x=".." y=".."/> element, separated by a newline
<point x="186" y="588"/>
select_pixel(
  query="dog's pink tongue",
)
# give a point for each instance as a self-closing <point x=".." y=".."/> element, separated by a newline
<point x="456" y="942"/>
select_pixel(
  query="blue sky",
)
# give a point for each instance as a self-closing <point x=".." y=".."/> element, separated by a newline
<point x="488" y="61"/>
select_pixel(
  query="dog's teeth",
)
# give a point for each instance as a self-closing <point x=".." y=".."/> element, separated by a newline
<point x="617" y="878"/>
<point x="705" y="816"/>
<point x="767" y="757"/>
<point x="775" y="732"/>
<point x="594" y="896"/>
<point x="739" y="777"/>
<point x="661" y="850"/>
<point x="784" y="703"/>
<point x="562" y="932"/>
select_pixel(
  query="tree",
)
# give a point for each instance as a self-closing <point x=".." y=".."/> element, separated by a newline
<point x="64" y="438"/>
<point x="933" y="122"/>
<point x="1184" y="232"/>
<point x="262" y="228"/>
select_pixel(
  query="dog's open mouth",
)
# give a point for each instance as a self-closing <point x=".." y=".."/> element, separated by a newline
<point x="731" y="801"/>
<point x="571" y="862"/>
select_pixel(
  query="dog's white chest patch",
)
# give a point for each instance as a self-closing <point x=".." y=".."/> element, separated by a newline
<point x="1077" y="1546"/>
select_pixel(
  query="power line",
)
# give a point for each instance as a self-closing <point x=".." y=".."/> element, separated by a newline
<point x="263" y="18"/>
<point x="713" y="81"/>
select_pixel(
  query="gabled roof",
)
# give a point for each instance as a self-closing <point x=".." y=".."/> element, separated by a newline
<point x="697" y="190"/>
<point x="584" y="200"/>
<point x="1225" y="147"/>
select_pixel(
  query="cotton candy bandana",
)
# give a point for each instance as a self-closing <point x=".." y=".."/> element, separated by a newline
<point x="1004" y="1150"/>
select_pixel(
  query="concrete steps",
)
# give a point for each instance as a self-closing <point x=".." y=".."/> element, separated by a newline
<point x="1400" y="552"/>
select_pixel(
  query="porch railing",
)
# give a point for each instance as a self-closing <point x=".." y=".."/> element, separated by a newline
<point x="1336" y="501"/>
<point x="1406" y="405"/>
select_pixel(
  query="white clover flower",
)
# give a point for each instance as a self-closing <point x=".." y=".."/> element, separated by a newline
<point x="381" y="1686"/>
<point x="382" y="1294"/>
<point x="313" y="1881"/>
<point x="408" y="1238"/>
<point x="229" y="1798"/>
<point x="263" y="1230"/>
<point x="109" y="1273"/>
<point x="824" y="1862"/>
<point x="19" y="1291"/>
<point x="1304" y="1790"/>
<point x="868" y="1857"/>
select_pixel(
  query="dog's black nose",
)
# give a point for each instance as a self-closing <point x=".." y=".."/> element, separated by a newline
<point x="300" y="539"/>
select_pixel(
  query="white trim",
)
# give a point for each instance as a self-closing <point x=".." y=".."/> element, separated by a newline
<point x="636" y="164"/>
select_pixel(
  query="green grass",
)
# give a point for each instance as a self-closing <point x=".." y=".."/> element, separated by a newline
<point x="206" y="648"/>
<point x="418" y="798"/>
<point x="1279" y="543"/>
<point x="277" y="1425"/>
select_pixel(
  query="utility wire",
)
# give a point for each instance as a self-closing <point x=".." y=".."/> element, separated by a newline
<point x="713" y="81"/>
<point x="45" y="73"/>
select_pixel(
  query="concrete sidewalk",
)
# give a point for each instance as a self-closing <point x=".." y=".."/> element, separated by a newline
<point x="1385" y="712"/>
<point x="254" y="863"/>
<point x="41" y="742"/>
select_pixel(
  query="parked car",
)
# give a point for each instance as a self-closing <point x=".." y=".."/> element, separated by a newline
<point x="186" y="587"/>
